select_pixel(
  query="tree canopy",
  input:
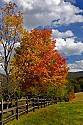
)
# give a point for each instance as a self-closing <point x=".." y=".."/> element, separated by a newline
<point x="37" y="63"/>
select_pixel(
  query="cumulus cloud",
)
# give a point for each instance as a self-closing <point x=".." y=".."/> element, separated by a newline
<point x="69" y="46"/>
<point x="77" y="66"/>
<point x="57" y="34"/>
<point x="42" y="12"/>
<point x="66" y="43"/>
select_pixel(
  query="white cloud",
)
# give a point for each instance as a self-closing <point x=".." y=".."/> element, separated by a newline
<point x="57" y="34"/>
<point x="65" y="43"/>
<point x="7" y="0"/>
<point x="77" y="66"/>
<point x="52" y="2"/>
<point x="69" y="46"/>
<point x="26" y="4"/>
<point x="42" y="12"/>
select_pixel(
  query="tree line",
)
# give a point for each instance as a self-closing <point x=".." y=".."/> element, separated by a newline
<point x="77" y="84"/>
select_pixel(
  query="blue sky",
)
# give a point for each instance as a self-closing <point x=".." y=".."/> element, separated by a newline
<point x="64" y="18"/>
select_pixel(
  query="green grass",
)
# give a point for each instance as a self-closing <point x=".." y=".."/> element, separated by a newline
<point x="70" y="113"/>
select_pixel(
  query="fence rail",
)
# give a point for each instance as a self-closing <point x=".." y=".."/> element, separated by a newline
<point x="20" y="107"/>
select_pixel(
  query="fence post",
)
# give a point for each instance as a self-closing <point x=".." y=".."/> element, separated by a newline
<point x="33" y="104"/>
<point x="55" y="100"/>
<point x="48" y="102"/>
<point x="27" y="105"/>
<point x="41" y="102"/>
<point x="44" y="103"/>
<point x="17" y="108"/>
<point x="38" y="102"/>
<point x="1" y="112"/>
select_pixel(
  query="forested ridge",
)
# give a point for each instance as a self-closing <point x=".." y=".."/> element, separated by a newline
<point x="75" y="74"/>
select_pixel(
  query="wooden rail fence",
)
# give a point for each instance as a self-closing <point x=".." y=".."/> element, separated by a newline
<point x="21" y="106"/>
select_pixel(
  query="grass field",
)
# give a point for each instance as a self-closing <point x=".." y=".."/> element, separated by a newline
<point x="70" y="113"/>
<point x="65" y="113"/>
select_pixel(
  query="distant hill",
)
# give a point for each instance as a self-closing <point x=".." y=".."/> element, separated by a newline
<point x="75" y="74"/>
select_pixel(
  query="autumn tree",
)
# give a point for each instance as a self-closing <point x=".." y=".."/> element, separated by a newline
<point x="11" y="23"/>
<point x="37" y="63"/>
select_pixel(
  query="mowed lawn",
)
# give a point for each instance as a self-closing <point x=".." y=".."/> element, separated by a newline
<point x="65" y="113"/>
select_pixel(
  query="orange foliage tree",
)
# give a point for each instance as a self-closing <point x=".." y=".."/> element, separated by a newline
<point x="37" y="64"/>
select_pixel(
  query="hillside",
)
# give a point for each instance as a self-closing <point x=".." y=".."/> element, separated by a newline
<point x="78" y="97"/>
<point x="75" y="74"/>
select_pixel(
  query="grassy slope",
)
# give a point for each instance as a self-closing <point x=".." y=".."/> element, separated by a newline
<point x="78" y="97"/>
<point x="59" y="114"/>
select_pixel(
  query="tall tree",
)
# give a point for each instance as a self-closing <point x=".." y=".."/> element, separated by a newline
<point x="37" y="64"/>
<point x="11" y="23"/>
